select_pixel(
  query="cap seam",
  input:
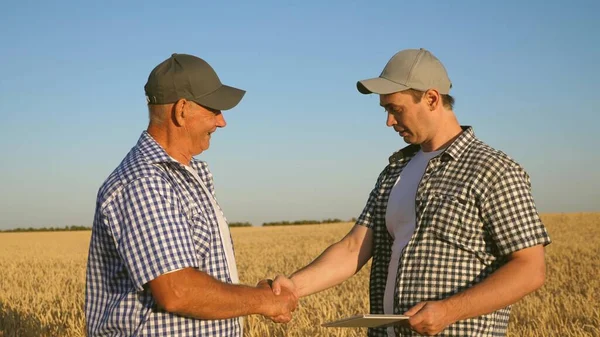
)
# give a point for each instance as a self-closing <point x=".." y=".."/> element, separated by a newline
<point x="385" y="78"/>
<point x="412" y="67"/>
<point x="174" y="74"/>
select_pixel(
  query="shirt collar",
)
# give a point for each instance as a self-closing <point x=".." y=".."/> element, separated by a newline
<point x="151" y="150"/>
<point x="461" y="143"/>
<point x="155" y="154"/>
<point x="454" y="150"/>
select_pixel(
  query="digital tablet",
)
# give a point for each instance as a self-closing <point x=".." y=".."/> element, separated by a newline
<point x="368" y="321"/>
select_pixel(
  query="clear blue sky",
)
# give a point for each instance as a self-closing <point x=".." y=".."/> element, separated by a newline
<point x="303" y="143"/>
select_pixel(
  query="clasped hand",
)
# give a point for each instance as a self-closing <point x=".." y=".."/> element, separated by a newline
<point x="282" y="299"/>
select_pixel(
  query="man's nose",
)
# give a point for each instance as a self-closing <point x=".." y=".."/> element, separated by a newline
<point x="391" y="120"/>
<point x="221" y="121"/>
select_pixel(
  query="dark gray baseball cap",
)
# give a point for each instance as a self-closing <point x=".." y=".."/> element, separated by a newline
<point x="409" y="69"/>
<point x="192" y="78"/>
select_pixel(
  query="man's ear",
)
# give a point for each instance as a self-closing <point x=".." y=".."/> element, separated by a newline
<point x="179" y="112"/>
<point x="433" y="99"/>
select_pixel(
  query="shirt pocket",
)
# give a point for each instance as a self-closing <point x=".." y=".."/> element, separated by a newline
<point x="201" y="235"/>
<point x="452" y="219"/>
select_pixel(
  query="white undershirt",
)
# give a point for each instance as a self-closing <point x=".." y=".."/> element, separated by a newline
<point x="400" y="219"/>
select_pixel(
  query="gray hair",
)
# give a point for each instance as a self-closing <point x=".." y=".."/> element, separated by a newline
<point x="158" y="113"/>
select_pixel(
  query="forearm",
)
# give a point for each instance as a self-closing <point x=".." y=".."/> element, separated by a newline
<point x="198" y="295"/>
<point x="511" y="282"/>
<point x="336" y="264"/>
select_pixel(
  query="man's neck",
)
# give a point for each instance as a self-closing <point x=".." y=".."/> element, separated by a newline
<point x="445" y="135"/>
<point x="171" y="142"/>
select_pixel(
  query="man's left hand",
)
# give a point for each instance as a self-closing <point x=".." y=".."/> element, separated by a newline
<point x="429" y="318"/>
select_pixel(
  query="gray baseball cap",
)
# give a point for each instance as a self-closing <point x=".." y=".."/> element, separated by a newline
<point x="409" y="69"/>
<point x="192" y="78"/>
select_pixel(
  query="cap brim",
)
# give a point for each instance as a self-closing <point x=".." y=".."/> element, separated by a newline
<point x="224" y="98"/>
<point x="379" y="85"/>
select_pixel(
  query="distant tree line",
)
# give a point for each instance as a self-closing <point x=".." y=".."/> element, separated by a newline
<point x="240" y="224"/>
<point x="233" y="224"/>
<point x="305" y="222"/>
<point x="47" y="229"/>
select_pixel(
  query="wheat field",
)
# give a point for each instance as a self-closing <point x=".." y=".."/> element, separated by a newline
<point x="42" y="277"/>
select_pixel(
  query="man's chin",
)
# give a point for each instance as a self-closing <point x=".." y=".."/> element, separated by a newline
<point x="407" y="139"/>
<point x="201" y="150"/>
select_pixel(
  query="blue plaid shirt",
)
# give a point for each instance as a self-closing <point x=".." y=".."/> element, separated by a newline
<point x="152" y="217"/>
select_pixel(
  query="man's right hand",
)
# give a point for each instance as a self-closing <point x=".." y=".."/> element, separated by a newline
<point x="279" y="307"/>
<point x="281" y="281"/>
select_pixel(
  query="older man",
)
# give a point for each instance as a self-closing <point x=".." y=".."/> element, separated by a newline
<point x="451" y="224"/>
<point x="161" y="260"/>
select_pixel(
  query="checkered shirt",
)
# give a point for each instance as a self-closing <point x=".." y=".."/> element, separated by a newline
<point x="473" y="208"/>
<point x="152" y="217"/>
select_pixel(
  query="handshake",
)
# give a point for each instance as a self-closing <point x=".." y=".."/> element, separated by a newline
<point x="281" y="298"/>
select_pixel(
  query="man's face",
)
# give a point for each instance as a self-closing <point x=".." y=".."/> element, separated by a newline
<point x="413" y="121"/>
<point x="200" y="125"/>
